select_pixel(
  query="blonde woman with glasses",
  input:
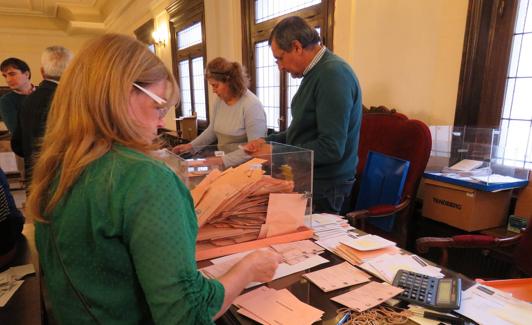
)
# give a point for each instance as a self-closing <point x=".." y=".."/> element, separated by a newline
<point x="115" y="228"/>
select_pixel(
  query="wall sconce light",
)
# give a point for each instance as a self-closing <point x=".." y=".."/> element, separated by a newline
<point x="160" y="37"/>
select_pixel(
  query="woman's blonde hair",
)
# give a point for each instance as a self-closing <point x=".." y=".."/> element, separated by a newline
<point x="90" y="112"/>
<point x="231" y="73"/>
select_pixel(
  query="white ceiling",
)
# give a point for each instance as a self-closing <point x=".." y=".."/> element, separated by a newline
<point x="41" y="8"/>
<point x="69" y="15"/>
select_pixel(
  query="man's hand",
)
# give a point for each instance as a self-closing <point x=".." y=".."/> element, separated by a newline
<point x="253" y="146"/>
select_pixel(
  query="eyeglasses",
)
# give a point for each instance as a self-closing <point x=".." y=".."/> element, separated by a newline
<point x="160" y="101"/>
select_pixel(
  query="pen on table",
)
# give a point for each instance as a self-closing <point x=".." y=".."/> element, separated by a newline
<point x="419" y="260"/>
<point x="344" y="318"/>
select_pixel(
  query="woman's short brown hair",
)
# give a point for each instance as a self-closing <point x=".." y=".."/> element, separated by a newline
<point x="231" y="73"/>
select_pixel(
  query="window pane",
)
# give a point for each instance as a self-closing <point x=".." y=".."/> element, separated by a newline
<point x="189" y="36"/>
<point x="267" y="84"/>
<point x="525" y="61"/>
<point x="521" y="106"/>
<point x="499" y="153"/>
<point x="508" y="97"/>
<point x="528" y="24"/>
<point x="516" y="119"/>
<point x="515" y="148"/>
<point x="514" y="58"/>
<point x="199" y="88"/>
<point x="521" y="14"/>
<point x="268" y="9"/>
<point x="293" y="86"/>
<point x="184" y="84"/>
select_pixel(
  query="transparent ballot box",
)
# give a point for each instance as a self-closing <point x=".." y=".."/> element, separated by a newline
<point x="452" y="144"/>
<point x="481" y="156"/>
<point x="260" y="199"/>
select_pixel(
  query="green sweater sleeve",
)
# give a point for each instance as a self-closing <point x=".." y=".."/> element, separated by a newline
<point x="277" y="137"/>
<point x="160" y="231"/>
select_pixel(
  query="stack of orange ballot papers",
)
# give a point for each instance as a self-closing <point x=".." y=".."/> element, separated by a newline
<point x="242" y="204"/>
<point x="276" y="307"/>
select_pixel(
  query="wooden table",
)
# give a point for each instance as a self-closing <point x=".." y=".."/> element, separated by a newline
<point x="312" y="295"/>
<point x="25" y="306"/>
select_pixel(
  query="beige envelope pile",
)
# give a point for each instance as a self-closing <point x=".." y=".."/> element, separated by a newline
<point x="242" y="204"/>
<point x="276" y="307"/>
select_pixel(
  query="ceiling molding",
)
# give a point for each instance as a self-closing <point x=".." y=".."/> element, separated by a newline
<point x="70" y="16"/>
<point x="83" y="27"/>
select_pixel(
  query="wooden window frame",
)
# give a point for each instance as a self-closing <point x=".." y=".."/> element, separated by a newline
<point x="320" y="14"/>
<point x="485" y="60"/>
<point x="183" y="14"/>
<point x="145" y="31"/>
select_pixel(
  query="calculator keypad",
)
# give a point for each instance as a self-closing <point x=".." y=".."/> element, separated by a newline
<point x="417" y="287"/>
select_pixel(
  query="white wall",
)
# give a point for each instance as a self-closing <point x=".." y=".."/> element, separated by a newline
<point x="28" y="45"/>
<point x="406" y="53"/>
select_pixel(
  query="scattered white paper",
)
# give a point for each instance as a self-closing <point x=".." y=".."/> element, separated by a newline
<point x="223" y="264"/>
<point x="386" y="266"/>
<point x="497" y="179"/>
<point x="10" y="281"/>
<point x="488" y="306"/>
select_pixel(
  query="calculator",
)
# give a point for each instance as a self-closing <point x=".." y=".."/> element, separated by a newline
<point x="427" y="291"/>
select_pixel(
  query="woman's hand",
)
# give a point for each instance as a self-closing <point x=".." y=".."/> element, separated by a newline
<point x="182" y="148"/>
<point x="253" y="146"/>
<point x="262" y="264"/>
<point x="259" y="266"/>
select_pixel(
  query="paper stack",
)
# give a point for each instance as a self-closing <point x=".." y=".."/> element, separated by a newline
<point x="487" y="305"/>
<point x="357" y="250"/>
<point x="276" y="307"/>
<point x="386" y="266"/>
<point x="296" y="252"/>
<point x="367" y="296"/>
<point x="242" y="204"/>
<point x="336" y="277"/>
<point x="328" y="225"/>
<point x="297" y="256"/>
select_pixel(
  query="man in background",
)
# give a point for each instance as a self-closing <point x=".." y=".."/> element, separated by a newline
<point x="17" y="74"/>
<point x="34" y="112"/>
<point x="326" y="110"/>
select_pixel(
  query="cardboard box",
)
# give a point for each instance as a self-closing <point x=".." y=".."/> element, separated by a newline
<point x="465" y="208"/>
<point x="523" y="206"/>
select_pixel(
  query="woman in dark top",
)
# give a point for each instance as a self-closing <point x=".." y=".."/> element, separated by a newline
<point x="11" y="222"/>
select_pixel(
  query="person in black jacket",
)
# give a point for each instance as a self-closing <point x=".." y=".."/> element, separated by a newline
<point x="32" y="117"/>
<point x="11" y="223"/>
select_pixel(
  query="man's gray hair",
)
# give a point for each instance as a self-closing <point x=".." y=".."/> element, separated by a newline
<point x="54" y="61"/>
<point x="291" y="29"/>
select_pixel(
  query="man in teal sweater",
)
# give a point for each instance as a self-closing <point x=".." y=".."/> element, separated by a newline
<point x="326" y="110"/>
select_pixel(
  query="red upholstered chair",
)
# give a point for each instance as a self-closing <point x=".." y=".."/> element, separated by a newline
<point x="392" y="134"/>
<point x="521" y="253"/>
